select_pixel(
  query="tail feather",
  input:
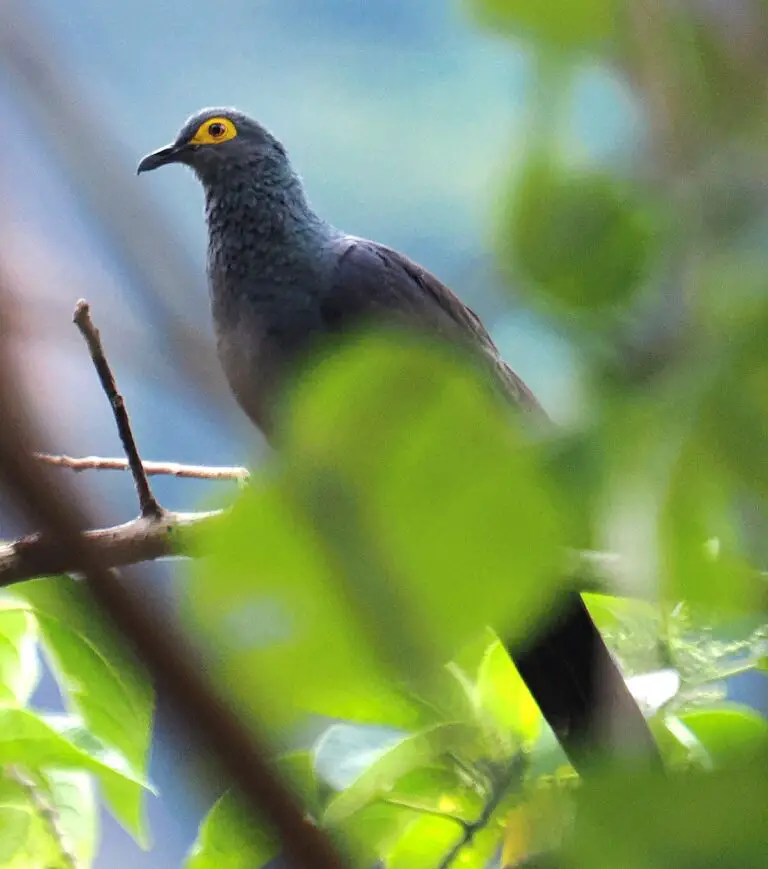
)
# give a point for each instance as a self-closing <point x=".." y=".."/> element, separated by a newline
<point x="580" y="689"/>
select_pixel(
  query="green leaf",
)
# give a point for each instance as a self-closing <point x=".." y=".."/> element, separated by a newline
<point x="579" y="24"/>
<point x="103" y="682"/>
<point x="265" y="599"/>
<point x="428" y="840"/>
<point x="230" y="838"/>
<point x="369" y="834"/>
<point x="72" y="797"/>
<point x="693" y="820"/>
<point x="424" y="490"/>
<point x="47" y="741"/>
<point x="411" y="753"/>
<point x="437" y="789"/>
<point x="19" y="663"/>
<point x="728" y="731"/>
<point x="582" y="240"/>
<point x="424" y="843"/>
<point x="507" y="702"/>
<point x="391" y="508"/>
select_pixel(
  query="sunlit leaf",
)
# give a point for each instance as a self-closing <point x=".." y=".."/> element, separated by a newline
<point x="504" y="697"/>
<point x="19" y="663"/>
<point x="411" y="753"/>
<point x="727" y="731"/>
<point x="102" y="681"/>
<point x="230" y="838"/>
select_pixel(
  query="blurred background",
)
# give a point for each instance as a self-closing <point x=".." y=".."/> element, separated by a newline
<point x="405" y="120"/>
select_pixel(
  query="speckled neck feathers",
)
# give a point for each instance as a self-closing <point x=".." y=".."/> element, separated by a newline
<point x="263" y="235"/>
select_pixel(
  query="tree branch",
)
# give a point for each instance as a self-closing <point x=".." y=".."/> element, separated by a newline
<point x="174" y="667"/>
<point x="145" y="538"/>
<point x="148" y="504"/>
<point x="169" y="469"/>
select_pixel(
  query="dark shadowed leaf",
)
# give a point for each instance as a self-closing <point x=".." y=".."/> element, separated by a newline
<point x="581" y="240"/>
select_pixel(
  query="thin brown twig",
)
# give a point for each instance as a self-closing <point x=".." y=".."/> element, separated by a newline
<point x="148" y="504"/>
<point x="170" y="469"/>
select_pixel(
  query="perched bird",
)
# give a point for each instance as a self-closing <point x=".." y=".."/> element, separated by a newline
<point x="282" y="279"/>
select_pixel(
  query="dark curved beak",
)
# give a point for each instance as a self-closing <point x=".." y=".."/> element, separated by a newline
<point x="161" y="157"/>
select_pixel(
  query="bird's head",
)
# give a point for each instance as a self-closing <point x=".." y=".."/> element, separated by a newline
<point x="213" y="141"/>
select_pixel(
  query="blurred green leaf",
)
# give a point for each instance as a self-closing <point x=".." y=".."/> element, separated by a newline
<point x="438" y="789"/>
<point x="700" y="505"/>
<point x="728" y="731"/>
<point x="229" y="838"/>
<point x="428" y="839"/>
<point x="582" y="239"/>
<point x="19" y="663"/>
<point x="428" y="476"/>
<point x="686" y="820"/>
<point x="103" y="682"/>
<point x="370" y="833"/>
<point x="405" y="488"/>
<point x="504" y="697"/>
<point x="45" y="817"/>
<point x="422" y="749"/>
<point x="579" y="24"/>
<point x="287" y="639"/>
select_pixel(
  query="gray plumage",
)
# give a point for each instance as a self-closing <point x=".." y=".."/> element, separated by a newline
<point x="282" y="279"/>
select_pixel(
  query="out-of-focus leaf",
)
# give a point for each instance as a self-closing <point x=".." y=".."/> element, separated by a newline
<point x="581" y="24"/>
<point x="699" y="505"/>
<point x="19" y="664"/>
<point x="582" y="240"/>
<point x="728" y="731"/>
<point x="287" y="639"/>
<point x="370" y="833"/>
<point x="438" y="789"/>
<point x="678" y="745"/>
<point x="103" y="682"/>
<point x="685" y="820"/>
<point x="504" y="698"/>
<point x="229" y="838"/>
<point x="46" y="820"/>
<point x="406" y="488"/>
<point x="423" y="749"/>
<point x="428" y="839"/>
<point x="403" y="445"/>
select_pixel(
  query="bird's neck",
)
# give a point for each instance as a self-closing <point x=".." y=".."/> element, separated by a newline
<point x="261" y="214"/>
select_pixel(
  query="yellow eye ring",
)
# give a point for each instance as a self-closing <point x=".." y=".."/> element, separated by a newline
<point x="214" y="131"/>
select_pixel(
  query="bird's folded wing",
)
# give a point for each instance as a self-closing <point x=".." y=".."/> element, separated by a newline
<point x="371" y="281"/>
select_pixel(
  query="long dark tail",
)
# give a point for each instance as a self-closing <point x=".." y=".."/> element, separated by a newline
<point x="580" y="690"/>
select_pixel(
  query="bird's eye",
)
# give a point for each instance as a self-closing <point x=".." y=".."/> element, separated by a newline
<point x="213" y="131"/>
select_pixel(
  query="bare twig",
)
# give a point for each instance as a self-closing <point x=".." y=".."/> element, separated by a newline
<point x="148" y="504"/>
<point x="171" y="664"/>
<point x="146" y="538"/>
<point x="514" y="771"/>
<point x="169" y="469"/>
